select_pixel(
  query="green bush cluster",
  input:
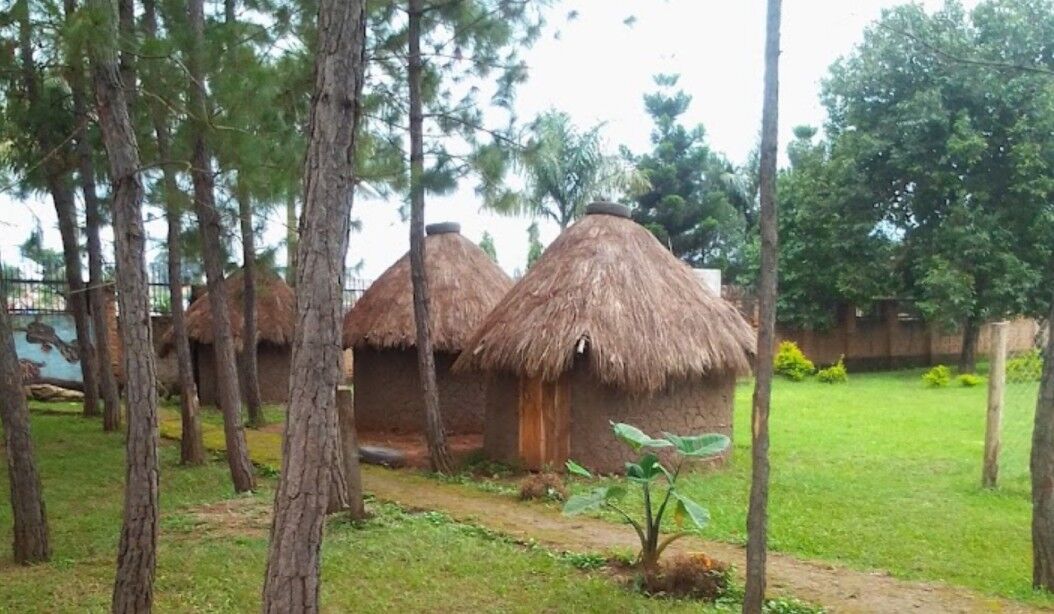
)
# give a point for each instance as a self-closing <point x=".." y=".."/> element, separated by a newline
<point x="791" y="362"/>
<point x="969" y="380"/>
<point x="938" y="377"/>
<point x="1025" y="367"/>
<point x="834" y="374"/>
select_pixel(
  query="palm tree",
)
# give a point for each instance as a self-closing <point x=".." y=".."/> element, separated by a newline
<point x="565" y="169"/>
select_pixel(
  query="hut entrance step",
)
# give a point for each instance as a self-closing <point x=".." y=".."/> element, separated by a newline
<point x="545" y="423"/>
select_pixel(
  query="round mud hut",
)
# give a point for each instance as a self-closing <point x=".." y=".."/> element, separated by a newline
<point x="275" y="317"/>
<point x="464" y="284"/>
<point x="606" y="326"/>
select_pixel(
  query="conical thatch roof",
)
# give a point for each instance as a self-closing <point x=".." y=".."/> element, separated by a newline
<point x="464" y="285"/>
<point x="275" y="312"/>
<point x="608" y="289"/>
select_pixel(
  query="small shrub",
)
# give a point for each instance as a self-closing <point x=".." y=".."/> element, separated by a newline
<point x="543" y="486"/>
<point x="834" y="374"/>
<point x="693" y="575"/>
<point x="938" y="377"/>
<point x="1025" y="367"/>
<point x="792" y="363"/>
<point x="969" y="380"/>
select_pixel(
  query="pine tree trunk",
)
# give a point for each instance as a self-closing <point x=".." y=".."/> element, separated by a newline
<point x="1042" y="468"/>
<point x="77" y="298"/>
<point x="292" y="581"/>
<point x="439" y="455"/>
<point x="137" y="550"/>
<point x="27" y="498"/>
<point x="250" y="371"/>
<point x="111" y="415"/>
<point x="209" y="226"/>
<point x="757" y="514"/>
<point x="290" y="241"/>
<point x="968" y="354"/>
<point x="191" y="448"/>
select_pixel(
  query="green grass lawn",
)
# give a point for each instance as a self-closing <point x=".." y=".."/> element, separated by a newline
<point x="883" y="473"/>
<point x="396" y="562"/>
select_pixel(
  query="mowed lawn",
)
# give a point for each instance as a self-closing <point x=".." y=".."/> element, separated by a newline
<point x="213" y="547"/>
<point x="884" y="473"/>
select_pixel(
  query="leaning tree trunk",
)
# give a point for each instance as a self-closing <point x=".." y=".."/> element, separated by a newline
<point x="757" y="514"/>
<point x="191" y="448"/>
<point x="27" y="498"/>
<point x="77" y="303"/>
<point x="137" y="550"/>
<point x="209" y="227"/>
<point x="250" y="370"/>
<point x="111" y="415"/>
<point x="439" y="455"/>
<point x="1042" y="467"/>
<point x="968" y="354"/>
<point x="292" y="581"/>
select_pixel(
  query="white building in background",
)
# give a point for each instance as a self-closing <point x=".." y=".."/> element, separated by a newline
<point x="711" y="278"/>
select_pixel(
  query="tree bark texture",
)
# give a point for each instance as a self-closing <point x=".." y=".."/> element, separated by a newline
<point x="350" y="453"/>
<point x="227" y="384"/>
<point x="250" y="371"/>
<point x="757" y="514"/>
<point x="438" y="454"/>
<point x="111" y="415"/>
<point x="1042" y="468"/>
<point x="994" y="415"/>
<point x="27" y="498"/>
<point x="968" y="354"/>
<point x="293" y="563"/>
<point x="137" y="549"/>
<point x="191" y="448"/>
<point x="290" y="241"/>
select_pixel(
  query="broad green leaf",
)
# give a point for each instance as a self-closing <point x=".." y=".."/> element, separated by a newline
<point x="700" y="517"/>
<point x="646" y="470"/>
<point x="593" y="500"/>
<point x="584" y="503"/>
<point x="637" y="438"/>
<point x="575" y="469"/>
<point x="698" y="446"/>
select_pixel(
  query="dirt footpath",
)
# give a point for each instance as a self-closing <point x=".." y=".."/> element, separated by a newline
<point x="836" y="588"/>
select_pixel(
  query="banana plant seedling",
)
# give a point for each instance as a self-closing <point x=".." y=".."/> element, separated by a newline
<point x="648" y="473"/>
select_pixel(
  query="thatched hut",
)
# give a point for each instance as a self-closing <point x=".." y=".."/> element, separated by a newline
<point x="464" y="284"/>
<point x="275" y="317"/>
<point x="606" y="326"/>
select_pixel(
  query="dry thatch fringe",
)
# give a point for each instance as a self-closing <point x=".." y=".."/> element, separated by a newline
<point x="464" y="285"/>
<point x="607" y="289"/>
<point x="275" y="312"/>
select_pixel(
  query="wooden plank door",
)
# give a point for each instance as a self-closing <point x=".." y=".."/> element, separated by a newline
<point x="545" y="423"/>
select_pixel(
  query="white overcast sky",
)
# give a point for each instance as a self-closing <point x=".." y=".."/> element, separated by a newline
<point x="597" y="71"/>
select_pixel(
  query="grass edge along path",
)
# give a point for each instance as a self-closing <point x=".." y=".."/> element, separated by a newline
<point x="837" y="588"/>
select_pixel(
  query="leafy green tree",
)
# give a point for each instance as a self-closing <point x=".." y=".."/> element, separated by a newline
<point x="486" y="243"/>
<point x="833" y="250"/>
<point x="947" y="117"/>
<point x="689" y="204"/>
<point x="534" y="245"/>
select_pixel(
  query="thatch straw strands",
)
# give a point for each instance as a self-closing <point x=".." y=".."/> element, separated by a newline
<point x="464" y="285"/>
<point x="607" y="289"/>
<point x="275" y="312"/>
